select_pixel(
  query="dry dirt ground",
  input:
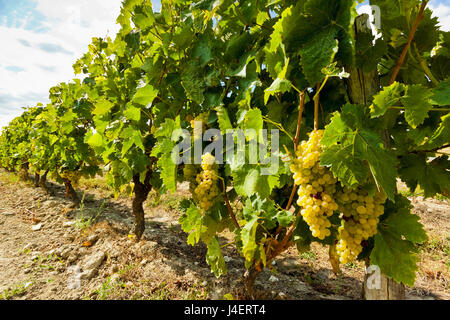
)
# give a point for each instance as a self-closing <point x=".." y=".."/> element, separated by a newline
<point x="51" y="250"/>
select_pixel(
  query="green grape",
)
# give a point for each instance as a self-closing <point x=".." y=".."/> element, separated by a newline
<point x="190" y="172"/>
<point x="360" y="217"/>
<point x="317" y="186"/>
<point x="207" y="190"/>
<point x="73" y="176"/>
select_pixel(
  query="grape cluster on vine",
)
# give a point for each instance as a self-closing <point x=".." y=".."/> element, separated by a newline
<point x="207" y="190"/>
<point x="73" y="176"/>
<point x="360" y="217"/>
<point x="317" y="186"/>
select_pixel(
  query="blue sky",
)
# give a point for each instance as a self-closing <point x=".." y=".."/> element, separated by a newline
<point x="43" y="38"/>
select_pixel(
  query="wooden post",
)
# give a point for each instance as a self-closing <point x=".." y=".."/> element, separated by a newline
<point x="361" y="86"/>
<point x="382" y="288"/>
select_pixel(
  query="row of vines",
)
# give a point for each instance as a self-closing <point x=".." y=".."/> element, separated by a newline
<point x="356" y="111"/>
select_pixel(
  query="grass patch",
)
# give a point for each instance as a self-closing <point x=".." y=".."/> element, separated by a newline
<point x="15" y="291"/>
<point x="98" y="182"/>
<point x="308" y="255"/>
<point x="83" y="222"/>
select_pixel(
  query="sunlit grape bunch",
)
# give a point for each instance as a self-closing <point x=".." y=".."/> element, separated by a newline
<point x="207" y="190"/>
<point x="190" y="172"/>
<point x="317" y="186"/>
<point x="360" y="217"/>
<point x="73" y="176"/>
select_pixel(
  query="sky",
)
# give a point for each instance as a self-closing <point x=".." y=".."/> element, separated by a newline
<point x="41" y="39"/>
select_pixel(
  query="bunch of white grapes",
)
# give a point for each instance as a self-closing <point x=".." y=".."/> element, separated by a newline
<point x="360" y="217"/>
<point x="73" y="176"/>
<point x="317" y="186"/>
<point x="207" y="190"/>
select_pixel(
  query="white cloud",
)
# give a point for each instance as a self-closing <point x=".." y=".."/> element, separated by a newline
<point x="46" y="58"/>
<point x="441" y="11"/>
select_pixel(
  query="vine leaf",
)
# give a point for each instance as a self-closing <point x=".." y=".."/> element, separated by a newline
<point x="248" y="181"/>
<point x="95" y="140"/>
<point x="164" y="151"/>
<point x="395" y="250"/>
<point x="145" y="95"/>
<point x="386" y="98"/>
<point x="248" y="237"/>
<point x="223" y="119"/>
<point x="132" y="113"/>
<point x="192" y="82"/>
<point x="433" y="177"/>
<point x="279" y="85"/>
<point x="215" y="258"/>
<point x="439" y="137"/>
<point x="441" y="94"/>
<point x="102" y="107"/>
<point x="191" y="223"/>
<point x="317" y="54"/>
<point x="417" y="104"/>
<point x="354" y="151"/>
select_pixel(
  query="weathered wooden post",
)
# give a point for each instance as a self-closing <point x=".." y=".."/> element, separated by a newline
<point x="361" y="86"/>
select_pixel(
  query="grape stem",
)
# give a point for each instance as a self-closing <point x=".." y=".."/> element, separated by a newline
<point x="301" y="108"/>
<point x="300" y="117"/>
<point x="316" y="108"/>
<point x="408" y="44"/>
<point x="227" y="203"/>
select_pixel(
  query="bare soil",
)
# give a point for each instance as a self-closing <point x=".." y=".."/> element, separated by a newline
<point x="50" y="249"/>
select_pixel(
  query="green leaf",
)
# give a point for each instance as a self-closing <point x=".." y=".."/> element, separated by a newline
<point x="284" y="218"/>
<point x="275" y="61"/>
<point x="441" y="94"/>
<point x="202" y="50"/>
<point x="191" y="222"/>
<point x="95" y="141"/>
<point x="440" y="137"/>
<point x="145" y="95"/>
<point x="167" y="128"/>
<point x="368" y="55"/>
<point x="345" y="165"/>
<point x="192" y="81"/>
<point x="354" y="151"/>
<point x="143" y="21"/>
<point x="394" y="249"/>
<point x="279" y="85"/>
<point x="254" y="121"/>
<point x="132" y="113"/>
<point x="166" y="163"/>
<point x="386" y="98"/>
<point x="248" y="236"/>
<point x="417" y="104"/>
<point x="223" y="119"/>
<point x="318" y="53"/>
<point x="404" y="222"/>
<point x="215" y="258"/>
<point x="248" y="180"/>
<point x="102" y="107"/>
<point x="395" y="257"/>
<point x="433" y="177"/>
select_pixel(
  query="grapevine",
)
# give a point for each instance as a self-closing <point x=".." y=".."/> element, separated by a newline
<point x="246" y="66"/>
